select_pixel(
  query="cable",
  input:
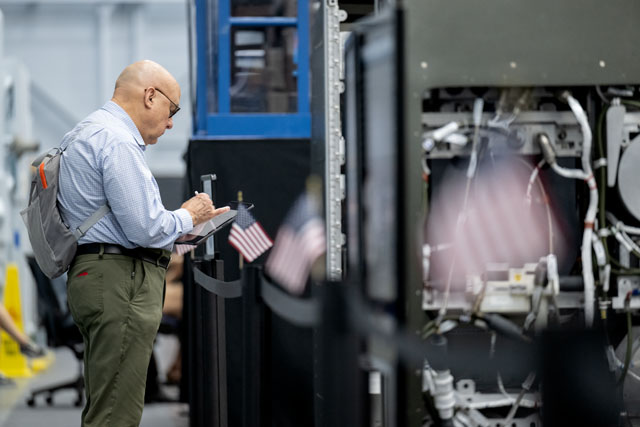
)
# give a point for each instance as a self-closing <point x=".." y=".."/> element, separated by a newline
<point x="631" y="103"/>
<point x="631" y="230"/>
<point x="626" y="241"/>
<point x="569" y="173"/>
<point x="501" y="387"/>
<point x="601" y="95"/>
<point x="626" y="271"/>
<point x="477" y="303"/>
<point x="503" y="326"/>
<point x="605" y="272"/>
<point x="535" y="176"/>
<point x="618" y="230"/>
<point x="587" y="267"/>
<point x="426" y="173"/>
<point x="526" y="385"/>
<point x="512" y="399"/>
<point x="535" y="172"/>
<point x="585" y="174"/>
<point x="621" y="364"/>
<point x="478" y="107"/>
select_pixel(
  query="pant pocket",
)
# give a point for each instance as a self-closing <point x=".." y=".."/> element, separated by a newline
<point x="85" y="288"/>
<point x="148" y="302"/>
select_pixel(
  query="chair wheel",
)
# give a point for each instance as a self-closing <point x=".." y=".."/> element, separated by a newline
<point x="49" y="400"/>
<point x="31" y="402"/>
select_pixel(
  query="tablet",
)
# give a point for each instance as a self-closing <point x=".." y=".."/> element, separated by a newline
<point x="214" y="225"/>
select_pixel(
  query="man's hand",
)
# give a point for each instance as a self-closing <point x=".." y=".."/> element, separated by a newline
<point x="201" y="208"/>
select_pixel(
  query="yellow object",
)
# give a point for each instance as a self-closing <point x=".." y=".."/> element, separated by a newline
<point x="42" y="363"/>
<point x="13" y="364"/>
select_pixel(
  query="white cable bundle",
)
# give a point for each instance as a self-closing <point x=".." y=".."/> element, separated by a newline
<point x="587" y="175"/>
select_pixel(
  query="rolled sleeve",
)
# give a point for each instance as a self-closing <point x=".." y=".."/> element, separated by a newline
<point x="185" y="218"/>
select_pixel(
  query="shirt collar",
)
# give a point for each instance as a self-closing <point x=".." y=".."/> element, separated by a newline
<point x="119" y="113"/>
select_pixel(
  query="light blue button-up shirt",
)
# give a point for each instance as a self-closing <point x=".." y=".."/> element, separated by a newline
<point x="105" y="164"/>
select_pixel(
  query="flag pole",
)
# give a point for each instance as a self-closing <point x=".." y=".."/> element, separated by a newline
<point x="240" y="259"/>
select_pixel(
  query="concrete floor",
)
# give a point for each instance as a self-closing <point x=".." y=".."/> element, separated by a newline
<point x="15" y="413"/>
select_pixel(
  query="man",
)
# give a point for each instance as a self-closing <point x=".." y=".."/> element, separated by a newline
<point x="116" y="281"/>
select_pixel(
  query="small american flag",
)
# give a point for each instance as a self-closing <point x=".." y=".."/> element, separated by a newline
<point x="299" y="242"/>
<point x="248" y="236"/>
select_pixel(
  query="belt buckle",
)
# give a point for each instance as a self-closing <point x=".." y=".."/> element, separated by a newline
<point x="159" y="262"/>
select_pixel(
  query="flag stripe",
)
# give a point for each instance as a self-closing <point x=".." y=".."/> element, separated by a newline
<point x="293" y="274"/>
<point x="264" y="234"/>
<point x="261" y="236"/>
<point x="240" y="249"/>
<point x="255" y="239"/>
<point x="248" y="241"/>
<point x="282" y="253"/>
<point x="247" y="249"/>
<point x="239" y="238"/>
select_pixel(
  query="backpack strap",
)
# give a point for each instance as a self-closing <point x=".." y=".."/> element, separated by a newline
<point x="91" y="221"/>
<point x="36" y="162"/>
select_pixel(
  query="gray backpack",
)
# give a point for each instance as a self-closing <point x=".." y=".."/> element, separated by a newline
<point x="54" y="244"/>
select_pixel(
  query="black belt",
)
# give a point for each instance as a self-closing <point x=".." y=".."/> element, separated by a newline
<point x="157" y="257"/>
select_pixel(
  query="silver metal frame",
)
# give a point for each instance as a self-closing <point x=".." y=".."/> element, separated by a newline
<point x="334" y="146"/>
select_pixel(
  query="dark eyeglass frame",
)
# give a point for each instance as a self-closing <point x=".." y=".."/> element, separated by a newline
<point x="171" y="113"/>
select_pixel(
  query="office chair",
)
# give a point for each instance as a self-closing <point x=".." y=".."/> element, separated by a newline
<point x="61" y="331"/>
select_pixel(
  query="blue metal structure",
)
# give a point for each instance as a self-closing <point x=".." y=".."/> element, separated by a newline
<point x="221" y="122"/>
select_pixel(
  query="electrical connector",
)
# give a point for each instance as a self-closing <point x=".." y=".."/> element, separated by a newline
<point x="548" y="151"/>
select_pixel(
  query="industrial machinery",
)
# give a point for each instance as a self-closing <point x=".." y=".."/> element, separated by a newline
<point x="482" y="212"/>
<point x="493" y="212"/>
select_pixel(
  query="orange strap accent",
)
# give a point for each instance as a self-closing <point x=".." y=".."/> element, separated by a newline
<point x="43" y="178"/>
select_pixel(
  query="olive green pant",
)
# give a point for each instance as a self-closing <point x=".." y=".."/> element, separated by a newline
<point x="116" y="301"/>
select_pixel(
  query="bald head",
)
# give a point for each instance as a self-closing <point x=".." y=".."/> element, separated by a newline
<point x="150" y="95"/>
<point x="142" y="74"/>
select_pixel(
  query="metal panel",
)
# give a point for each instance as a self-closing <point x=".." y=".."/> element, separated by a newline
<point x="524" y="128"/>
<point x="260" y="126"/>
<point x="413" y="84"/>
<point x="519" y="42"/>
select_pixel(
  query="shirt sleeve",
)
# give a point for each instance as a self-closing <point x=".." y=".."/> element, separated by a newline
<point x="134" y="198"/>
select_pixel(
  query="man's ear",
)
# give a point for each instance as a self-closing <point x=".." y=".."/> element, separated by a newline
<point x="149" y="95"/>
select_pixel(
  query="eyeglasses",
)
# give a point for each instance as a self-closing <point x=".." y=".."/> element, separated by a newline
<point x="176" y="106"/>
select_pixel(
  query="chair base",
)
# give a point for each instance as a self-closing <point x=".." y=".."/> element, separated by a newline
<point x="76" y="384"/>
